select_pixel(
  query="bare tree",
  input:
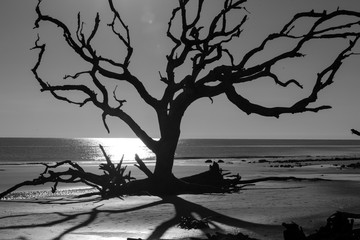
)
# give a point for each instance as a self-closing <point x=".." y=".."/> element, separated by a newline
<point x="215" y="69"/>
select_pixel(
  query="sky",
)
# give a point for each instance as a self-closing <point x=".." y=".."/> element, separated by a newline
<point x="26" y="112"/>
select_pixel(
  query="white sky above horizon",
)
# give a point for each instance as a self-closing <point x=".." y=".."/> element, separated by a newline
<point x="26" y="112"/>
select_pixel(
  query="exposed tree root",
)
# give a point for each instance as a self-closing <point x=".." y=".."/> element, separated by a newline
<point x="115" y="183"/>
<point x="107" y="184"/>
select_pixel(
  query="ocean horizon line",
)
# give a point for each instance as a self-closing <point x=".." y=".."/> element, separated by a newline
<point x="20" y="150"/>
<point x="185" y="138"/>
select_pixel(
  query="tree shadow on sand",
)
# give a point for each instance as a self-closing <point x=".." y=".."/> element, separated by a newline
<point x="183" y="208"/>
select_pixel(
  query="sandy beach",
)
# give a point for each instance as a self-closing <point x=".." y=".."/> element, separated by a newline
<point x="270" y="88"/>
<point x="257" y="210"/>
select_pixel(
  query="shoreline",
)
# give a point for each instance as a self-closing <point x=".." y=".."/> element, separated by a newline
<point x="247" y="168"/>
<point x="271" y="158"/>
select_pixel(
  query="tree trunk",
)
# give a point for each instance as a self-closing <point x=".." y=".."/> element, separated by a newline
<point x="166" y="152"/>
<point x="164" y="164"/>
<point x="165" y="159"/>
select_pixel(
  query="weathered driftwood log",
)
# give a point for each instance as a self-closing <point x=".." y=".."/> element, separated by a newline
<point x="115" y="183"/>
<point x="211" y="181"/>
<point x="216" y="177"/>
<point x="107" y="184"/>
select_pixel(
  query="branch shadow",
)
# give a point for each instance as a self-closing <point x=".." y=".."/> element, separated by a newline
<point x="59" y="201"/>
<point x="91" y="216"/>
<point x="183" y="208"/>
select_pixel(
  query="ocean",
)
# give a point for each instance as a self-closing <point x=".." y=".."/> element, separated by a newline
<point x="85" y="150"/>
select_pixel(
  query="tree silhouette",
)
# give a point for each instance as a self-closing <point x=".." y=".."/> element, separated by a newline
<point x="215" y="69"/>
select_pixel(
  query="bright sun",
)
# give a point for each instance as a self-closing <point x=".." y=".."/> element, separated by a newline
<point x="117" y="147"/>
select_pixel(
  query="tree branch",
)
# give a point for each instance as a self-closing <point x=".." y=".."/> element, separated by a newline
<point x="66" y="32"/>
<point x="233" y="74"/>
<point x="141" y="165"/>
<point x="87" y="53"/>
<point x="312" y="33"/>
<point x="283" y="84"/>
<point x="356" y="132"/>
<point x="76" y="75"/>
<point x="248" y="107"/>
<point x="125" y="41"/>
<point x="202" y="50"/>
<point x="138" y="85"/>
<point x="324" y="79"/>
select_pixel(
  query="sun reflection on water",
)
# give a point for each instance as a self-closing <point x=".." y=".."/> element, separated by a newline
<point x="117" y="147"/>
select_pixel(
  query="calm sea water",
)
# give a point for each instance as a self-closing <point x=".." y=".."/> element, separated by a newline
<point x="35" y="150"/>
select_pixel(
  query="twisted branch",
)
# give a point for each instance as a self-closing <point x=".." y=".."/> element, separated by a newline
<point x="110" y="184"/>
<point x="81" y="44"/>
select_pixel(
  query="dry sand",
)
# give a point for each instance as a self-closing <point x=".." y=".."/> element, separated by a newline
<point x="257" y="211"/>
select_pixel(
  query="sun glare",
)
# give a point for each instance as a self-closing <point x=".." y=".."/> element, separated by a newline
<point x="117" y="147"/>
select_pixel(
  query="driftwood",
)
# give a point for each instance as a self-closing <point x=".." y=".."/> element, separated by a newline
<point x="263" y="179"/>
<point x="216" y="177"/>
<point x="339" y="226"/>
<point x="115" y="183"/>
<point x="108" y="184"/>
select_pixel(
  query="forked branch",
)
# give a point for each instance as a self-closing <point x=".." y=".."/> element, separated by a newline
<point x="324" y="79"/>
<point x="99" y="96"/>
<point x="228" y="76"/>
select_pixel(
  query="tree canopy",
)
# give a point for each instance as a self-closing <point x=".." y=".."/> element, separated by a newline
<point x="213" y="67"/>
